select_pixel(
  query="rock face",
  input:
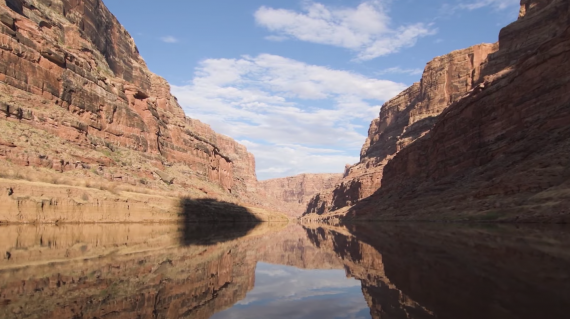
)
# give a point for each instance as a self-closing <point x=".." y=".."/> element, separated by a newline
<point x="402" y="120"/>
<point x="76" y="98"/>
<point x="292" y="194"/>
<point x="500" y="152"/>
<point x="32" y="202"/>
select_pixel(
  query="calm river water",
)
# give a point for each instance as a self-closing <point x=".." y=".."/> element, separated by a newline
<point x="389" y="270"/>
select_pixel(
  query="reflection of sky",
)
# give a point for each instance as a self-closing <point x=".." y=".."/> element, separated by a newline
<point x="288" y="292"/>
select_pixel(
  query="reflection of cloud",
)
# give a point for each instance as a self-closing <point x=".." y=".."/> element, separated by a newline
<point x="288" y="292"/>
<point x="272" y="272"/>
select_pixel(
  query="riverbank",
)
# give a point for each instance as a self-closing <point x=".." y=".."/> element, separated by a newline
<point x="27" y="202"/>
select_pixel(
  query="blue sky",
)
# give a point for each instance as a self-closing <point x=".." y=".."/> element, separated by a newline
<point x="299" y="81"/>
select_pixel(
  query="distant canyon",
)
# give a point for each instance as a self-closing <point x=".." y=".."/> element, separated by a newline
<point x="89" y="134"/>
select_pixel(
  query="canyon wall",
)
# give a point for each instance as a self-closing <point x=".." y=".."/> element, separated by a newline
<point x="402" y="120"/>
<point x="498" y="150"/>
<point x="77" y="103"/>
<point x="501" y="152"/>
<point x="292" y="194"/>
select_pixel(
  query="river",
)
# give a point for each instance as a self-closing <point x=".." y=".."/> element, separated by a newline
<point x="275" y="270"/>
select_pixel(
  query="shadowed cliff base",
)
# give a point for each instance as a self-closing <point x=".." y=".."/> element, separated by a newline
<point x="208" y="221"/>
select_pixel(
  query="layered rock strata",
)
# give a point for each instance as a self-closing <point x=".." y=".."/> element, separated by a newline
<point x="292" y="194"/>
<point x="33" y="202"/>
<point x="403" y="120"/>
<point x="502" y="151"/>
<point x="78" y="103"/>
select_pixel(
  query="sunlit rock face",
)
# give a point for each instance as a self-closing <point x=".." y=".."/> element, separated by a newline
<point x="402" y="120"/>
<point x="291" y="194"/>
<point x="497" y="152"/>
<point x="77" y="98"/>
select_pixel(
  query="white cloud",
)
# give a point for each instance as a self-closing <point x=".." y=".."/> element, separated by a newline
<point x="449" y="9"/>
<point x="399" y="70"/>
<point x="169" y="39"/>
<point x="498" y="4"/>
<point x="293" y="116"/>
<point x="292" y="159"/>
<point x="365" y="29"/>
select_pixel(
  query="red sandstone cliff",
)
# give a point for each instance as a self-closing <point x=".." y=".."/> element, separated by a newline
<point x="402" y="120"/>
<point x="292" y="194"/>
<point x="78" y="105"/>
<point x="501" y="151"/>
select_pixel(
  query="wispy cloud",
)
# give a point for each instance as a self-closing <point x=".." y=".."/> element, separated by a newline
<point x="366" y="29"/>
<point x="169" y="39"/>
<point x="399" y="70"/>
<point x="449" y="8"/>
<point x="314" y="117"/>
<point x="498" y="4"/>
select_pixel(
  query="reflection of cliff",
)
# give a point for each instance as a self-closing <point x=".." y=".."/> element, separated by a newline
<point x="365" y="263"/>
<point x="474" y="272"/>
<point x="292" y="248"/>
<point x="406" y="271"/>
<point x="120" y="271"/>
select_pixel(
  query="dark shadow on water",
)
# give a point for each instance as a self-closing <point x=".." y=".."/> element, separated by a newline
<point x="208" y="221"/>
<point x="471" y="271"/>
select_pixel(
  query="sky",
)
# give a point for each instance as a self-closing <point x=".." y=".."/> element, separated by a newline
<point x="292" y="293"/>
<point x="298" y="81"/>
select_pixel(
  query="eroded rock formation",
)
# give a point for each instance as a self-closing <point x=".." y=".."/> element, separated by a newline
<point x="77" y="99"/>
<point x="292" y="194"/>
<point x="402" y="120"/>
<point x="501" y="152"/>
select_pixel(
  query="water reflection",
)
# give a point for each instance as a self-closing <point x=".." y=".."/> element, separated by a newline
<point x="288" y="292"/>
<point x="284" y="271"/>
